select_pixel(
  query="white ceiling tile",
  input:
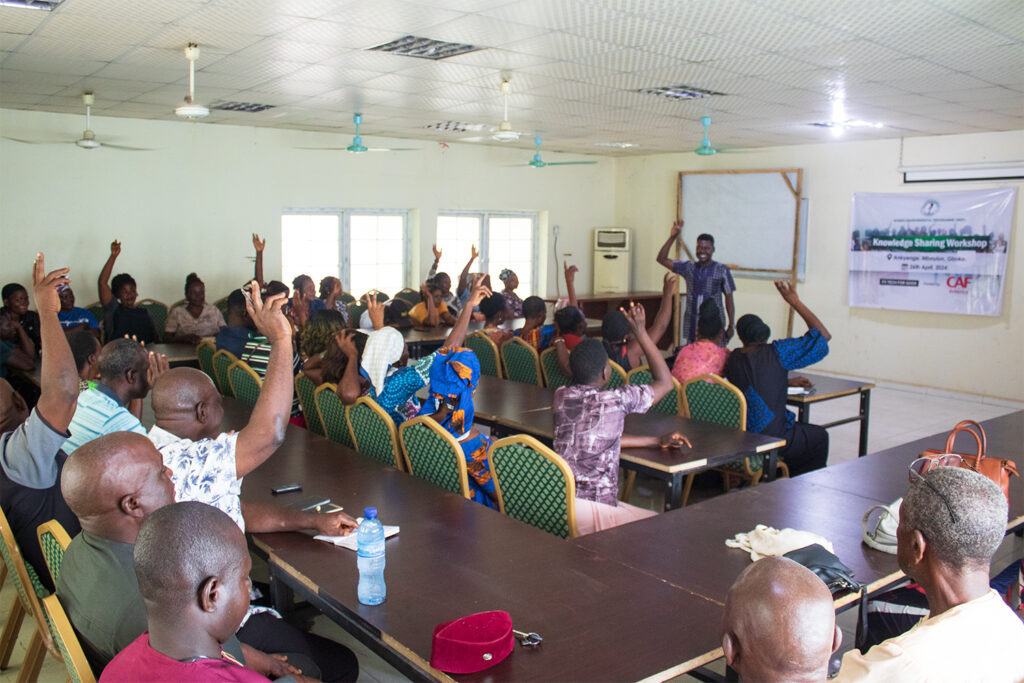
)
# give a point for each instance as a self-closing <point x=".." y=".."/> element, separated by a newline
<point x="18" y="100"/>
<point x="66" y="48"/>
<point x="571" y="71"/>
<point x="762" y="65"/>
<point x="938" y="41"/>
<point x="1002" y="16"/>
<point x="498" y="59"/>
<point x="143" y="11"/>
<point x="449" y="72"/>
<point x="9" y="41"/>
<point x="236" y="17"/>
<point x="714" y="17"/>
<point x="402" y="83"/>
<point x="174" y="95"/>
<point x="15" y="20"/>
<point x="561" y="46"/>
<point x="296" y="89"/>
<point x="60" y="65"/>
<point x="933" y="82"/>
<point x="634" y="31"/>
<point x="211" y="41"/>
<point x="332" y="76"/>
<point x="381" y="62"/>
<point x="108" y="90"/>
<point x="339" y="34"/>
<point x="979" y="96"/>
<point x="135" y="72"/>
<point x="844" y="53"/>
<point x="627" y="60"/>
<point x="86" y="28"/>
<point x="29" y="87"/>
<point x="462" y="5"/>
<point x="1011" y="56"/>
<point x="275" y="99"/>
<point x="482" y="31"/>
<point x="9" y="75"/>
<point x="702" y="48"/>
<point x="520" y="82"/>
<point x="787" y="36"/>
<point x="393" y="15"/>
<point x="554" y="14"/>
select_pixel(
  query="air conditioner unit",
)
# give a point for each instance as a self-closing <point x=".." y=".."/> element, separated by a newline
<point x="613" y="258"/>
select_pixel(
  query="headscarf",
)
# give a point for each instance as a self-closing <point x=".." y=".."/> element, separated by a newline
<point x="383" y="347"/>
<point x="453" y="376"/>
<point x="506" y="273"/>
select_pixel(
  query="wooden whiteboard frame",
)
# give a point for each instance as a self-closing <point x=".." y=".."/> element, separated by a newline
<point x="796" y="191"/>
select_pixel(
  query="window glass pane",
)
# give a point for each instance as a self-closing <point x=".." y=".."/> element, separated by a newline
<point x="309" y="245"/>
<point x="455" y="237"/>
<point x="377" y="253"/>
<point x="511" y="246"/>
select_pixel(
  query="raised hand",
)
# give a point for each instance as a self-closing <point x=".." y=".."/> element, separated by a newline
<point x="158" y="365"/>
<point x="570" y="271"/>
<point x="674" y="440"/>
<point x="787" y="291"/>
<point x="267" y="315"/>
<point x="115" y="248"/>
<point x="375" y="309"/>
<point x="677" y="228"/>
<point x="671" y="283"/>
<point x="636" y="316"/>
<point x="437" y="252"/>
<point x="45" y="286"/>
<point x="477" y="291"/>
<point x="257" y="243"/>
<point x="473" y="253"/>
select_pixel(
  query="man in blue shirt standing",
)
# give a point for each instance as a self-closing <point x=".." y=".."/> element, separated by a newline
<point x="704" y="279"/>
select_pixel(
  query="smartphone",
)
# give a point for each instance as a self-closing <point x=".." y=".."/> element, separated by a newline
<point x="286" y="488"/>
<point x="247" y="292"/>
<point x="307" y="503"/>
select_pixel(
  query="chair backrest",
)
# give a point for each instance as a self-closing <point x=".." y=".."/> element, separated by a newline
<point x="410" y="296"/>
<point x="669" y="403"/>
<point x="355" y="311"/>
<point x="204" y="353"/>
<point x="158" y="314"/>
<point x="54" y="541"/>
<point x="534" y="485"/>
<point x="346" y="298"/>
<point x="66" y="640"/>
<point x="433" y="454"/>
<point x="245" y="383"/>
<point x="222" y="360"/>
<point x="381" y="297"/>
<point x="179" y="302"/>
<point x="617" y="378"/>
<point x="306" y="390"/>
<point x="553" y="375"/>
<point x="333" y="414"/>
<point x="222" y="306"/>
<point x="26" y="581"/>
<point x="713" y="399"/>
<point x="373" y="432"/>
<point x="97" y="311"/>
<point x="522" y="364"/>
<point x="486" y="352"/>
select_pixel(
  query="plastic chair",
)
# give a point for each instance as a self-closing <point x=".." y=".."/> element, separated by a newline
<point x="522" y="364"/>
<point x="433" y="454"/>
<point x="53" y="540"/>
<point x="204" y="354"/>
<point x="534" y="485"/>
<point x="373" y="432"/>
<point x="245" y="383"/>
<point x="617" y="377"/>
<point x="306" y="390"/>
<point x="180" y="302"/>
<point x="222" y="360"/>
<point x="670" y="402"/>
<point x="486" y="352"/>
<point x="381" y="296"/>
<point x="355" y="311"/>
<point x="30" y="592"/>
<point x="66" y="639"/>
<point x="553" y="375"/>
<point x="158" y="314"/>
<point x="97" y="312"/>
<point x="346" y="298"/>
<point x="408" y="295"/>
<point x="333" y="414"/>
<point x="222" y="306"/>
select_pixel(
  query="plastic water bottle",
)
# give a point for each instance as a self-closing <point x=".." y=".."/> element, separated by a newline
<point x="370" y="541"/>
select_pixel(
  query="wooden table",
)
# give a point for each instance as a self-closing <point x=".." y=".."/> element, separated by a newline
<point x="597" y="306"/>
<point x="828" y="388"/>
<point x="454" y="557"/>
<point x="514" y="407"/>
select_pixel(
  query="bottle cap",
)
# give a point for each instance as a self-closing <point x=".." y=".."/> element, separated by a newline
<point x="369" y="513"/>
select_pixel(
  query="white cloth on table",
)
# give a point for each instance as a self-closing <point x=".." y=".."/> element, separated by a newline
<point x="765" y="541"/>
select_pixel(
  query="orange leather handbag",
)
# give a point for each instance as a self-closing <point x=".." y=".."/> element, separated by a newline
<point x="998" y="470"/>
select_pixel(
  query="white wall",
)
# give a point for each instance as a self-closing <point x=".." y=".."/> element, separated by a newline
<point x="193" y="204"/>
<point x="975" y="354"/>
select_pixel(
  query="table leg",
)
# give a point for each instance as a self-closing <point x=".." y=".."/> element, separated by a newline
<point x="674" y="491"/>
<point x="282" y="597"/>
<point x="771" y="467"/>
<point x="803" y="412"/>
<point x="865" y="409"/>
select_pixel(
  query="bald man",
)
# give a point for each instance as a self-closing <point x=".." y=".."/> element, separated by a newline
<point x="952" y="521"/>
<point x="193" y="571"/>
<point x="780" y="623"/>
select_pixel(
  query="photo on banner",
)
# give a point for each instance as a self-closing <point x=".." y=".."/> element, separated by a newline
<point x="940" y="252"/>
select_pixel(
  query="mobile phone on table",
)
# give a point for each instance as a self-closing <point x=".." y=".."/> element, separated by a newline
<point x="290" y="487"/>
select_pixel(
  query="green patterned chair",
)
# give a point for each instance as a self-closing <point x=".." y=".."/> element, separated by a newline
<point x="66" y="640"/>
<point x="158" y="314"/>
<point x="553" y="375"/>
<point x="670" y="402"/>
<point x="355" y="311"/>
<point x="97" y="312"/>
<point x="410" y="296"/>
<point x="433" y="454"/>
<point x="222" y="306"/>
<point x="381" y="296"/>
<point x="486" y="352"/>
<point x="346" y="298"/>
<point x="333" y="414"/>
<point x="30" y="591"/>
<point x="222" y="360"/>
<point x="713" y="399"/>
<point x="245" y="383"/>
<point x="204" y="354"/>
<point x="521" y="362"/>
<point x="306" y="390"/>
<point x="54" y="541"/>
<point x="373" y="432"/>
<point x="617" y="377"/>
<point x="534" y="485"/>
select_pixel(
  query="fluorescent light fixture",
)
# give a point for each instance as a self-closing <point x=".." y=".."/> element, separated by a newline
<point x="617" y="145"/>
<point x="44" y="5"/>
<point x="425" y="48"/>
<point x="948" y="173"/>
<point x="679" y="92"/>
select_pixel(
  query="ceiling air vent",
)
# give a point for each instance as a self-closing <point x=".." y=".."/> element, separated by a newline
<point x="679" y="92"/>
<point x="455" y="126"/>
<point x="247" y="107"/>
<point x="424" y="48"/>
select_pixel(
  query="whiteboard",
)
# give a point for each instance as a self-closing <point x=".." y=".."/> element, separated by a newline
<point x="752" y="216"/>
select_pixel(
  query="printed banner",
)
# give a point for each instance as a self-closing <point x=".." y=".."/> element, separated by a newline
<point x="943" y="252"/>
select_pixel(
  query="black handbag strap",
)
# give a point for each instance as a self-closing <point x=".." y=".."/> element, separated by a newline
<point x="861" y="639"/>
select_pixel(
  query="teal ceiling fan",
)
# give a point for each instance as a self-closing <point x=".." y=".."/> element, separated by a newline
<point x="706" y="150"/>
<point x="537" y="162"/>
<point x="357" y="145"/>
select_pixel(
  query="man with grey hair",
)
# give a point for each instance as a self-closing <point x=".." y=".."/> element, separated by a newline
<point x="951" y="523"/>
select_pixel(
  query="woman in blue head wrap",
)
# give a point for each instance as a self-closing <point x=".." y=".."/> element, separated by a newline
<point x="453" y="377"/>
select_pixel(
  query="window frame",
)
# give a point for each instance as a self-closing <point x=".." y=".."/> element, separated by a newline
<point x="344" y="216"/>
<point x="484" y="260"/>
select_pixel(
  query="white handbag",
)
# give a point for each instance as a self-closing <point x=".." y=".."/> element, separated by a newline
<point x="882" y="534"/>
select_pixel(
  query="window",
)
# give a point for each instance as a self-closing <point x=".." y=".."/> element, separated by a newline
<point x="365" y="249"/>
<point x="504" y="240"/>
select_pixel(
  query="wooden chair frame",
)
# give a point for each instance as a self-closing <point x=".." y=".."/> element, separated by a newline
<point x="399" y="458"/>
<point x="544" y="355"/>
<point x="536" y="358"/>
<point x="333" y="388"/>
<point x="223" y="383"/>
<point x="570" y="478"/>
<point x="432" y="424"/>
<point x="55" y="529"/>
<point x="480" y="334"/>
<point x="309" y="412"/>
<point x="71" y="648"/>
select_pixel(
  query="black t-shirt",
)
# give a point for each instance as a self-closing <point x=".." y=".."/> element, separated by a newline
<point x="761" y="370"/>
<point x="119" y="320"/>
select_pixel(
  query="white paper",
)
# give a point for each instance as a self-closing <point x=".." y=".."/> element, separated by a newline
<point x="350" y="540"/>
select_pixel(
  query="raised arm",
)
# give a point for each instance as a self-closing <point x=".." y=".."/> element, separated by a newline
<point x="673" y="234"/>
<point x="432" y="318"/>
<point x="103" y="284"/>
<point x="259" y="245"/>
<point x="664" y="315"/>
<point x="464" y="275"/>
<point x="349" y="388"/>
<point x="59" y="376"/>
<point x="265" y="431"/>
<point x="661" y="377"/>
<point x="332" y="297"/>
<point x="570" y="282"/>
<point x="790" y="296"/>
<point x="437" y="260"/>
<point x="476" y="294"/>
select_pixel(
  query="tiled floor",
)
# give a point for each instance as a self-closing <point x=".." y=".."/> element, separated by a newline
<point x="898" y="414"/>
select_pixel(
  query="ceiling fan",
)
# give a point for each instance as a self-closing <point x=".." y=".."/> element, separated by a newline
<point x="706" y="150"/>
<point x="191" y="110"/>
<point x="357" y="145"/>
<point x="504" y="131"/>
<point x="537" y="162"/>
<point x="88" y="139"/>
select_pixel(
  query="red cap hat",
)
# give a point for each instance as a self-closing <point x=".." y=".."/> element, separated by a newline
<point x="474" y="643"/>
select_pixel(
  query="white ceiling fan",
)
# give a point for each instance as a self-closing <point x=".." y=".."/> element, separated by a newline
<point x="504" y="132"/>
<point x="191" y="110"/>
<point x="88" y="139"/>
<point x="357" y="145"/>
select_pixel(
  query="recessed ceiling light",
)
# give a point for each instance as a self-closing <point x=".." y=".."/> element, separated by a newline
<point x="849" y="123"/>
<point x="679" y="92"/>
<point x="425" y="48"/>
<point x="44" y="5"/>
<point x="618" y="145"/>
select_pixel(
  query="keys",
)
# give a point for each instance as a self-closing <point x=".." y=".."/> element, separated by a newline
<point x="527" y="639"/>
